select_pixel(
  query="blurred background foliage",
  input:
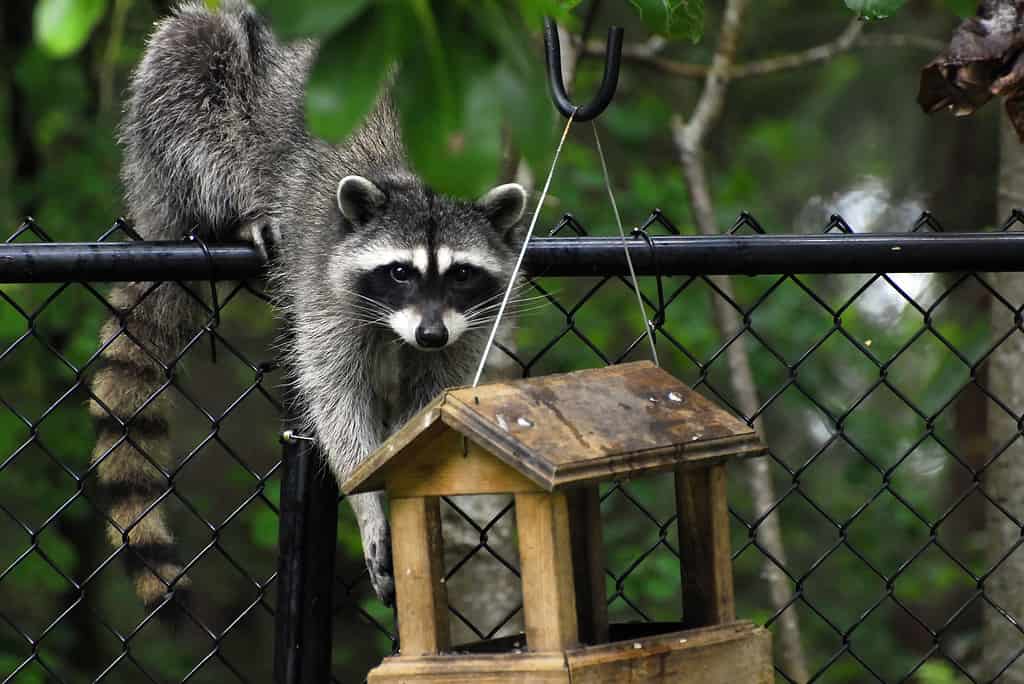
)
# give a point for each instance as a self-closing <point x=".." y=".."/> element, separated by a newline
<point x="793" y="147"/>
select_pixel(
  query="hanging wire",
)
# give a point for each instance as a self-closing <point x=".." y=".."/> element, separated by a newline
<point x="625" y="249"/>
<point x="522" y="253"/>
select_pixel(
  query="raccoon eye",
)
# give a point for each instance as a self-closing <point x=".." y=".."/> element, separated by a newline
<point x="462" y="273"/>
<point x="400" y="273"/>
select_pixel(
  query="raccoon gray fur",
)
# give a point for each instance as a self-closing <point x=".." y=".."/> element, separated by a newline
<point x="385" y="287"/>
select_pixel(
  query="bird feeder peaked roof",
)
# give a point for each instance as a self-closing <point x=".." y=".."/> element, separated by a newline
<point x="559" y="431"/>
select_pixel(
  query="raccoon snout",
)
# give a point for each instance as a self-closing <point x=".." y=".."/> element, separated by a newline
<point x="432" y="335"/>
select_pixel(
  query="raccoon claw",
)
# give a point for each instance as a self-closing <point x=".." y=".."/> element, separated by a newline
<point x="382" y="575"/>
<point x="263" y="235"/>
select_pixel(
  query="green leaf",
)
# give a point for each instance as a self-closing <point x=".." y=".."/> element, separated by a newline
<point x="672" y="18"/>
<point x="527" y="111"/>
<point x="302" y="18"/>
<point x="963" y="8"/>
<point x="534" y="11"/>
<point x="62" y="27"/>
<point x="874" y="9"/>
<point x="451" y="118"/>
<point x="520" y="84"/>
<point x="349" y="73"/>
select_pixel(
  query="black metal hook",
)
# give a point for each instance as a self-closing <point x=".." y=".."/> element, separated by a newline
<point x="612" y="60"/>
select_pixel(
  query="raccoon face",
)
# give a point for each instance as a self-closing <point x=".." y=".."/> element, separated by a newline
<point x="429" y="268"/>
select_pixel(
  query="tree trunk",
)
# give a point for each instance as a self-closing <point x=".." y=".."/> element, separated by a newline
<point x="1003" y="481"/>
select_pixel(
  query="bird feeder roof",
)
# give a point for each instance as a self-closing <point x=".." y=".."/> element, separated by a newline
<point x="571" y="429"/>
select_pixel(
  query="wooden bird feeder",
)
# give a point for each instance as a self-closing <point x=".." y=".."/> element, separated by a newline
<point x="549" y="441"/>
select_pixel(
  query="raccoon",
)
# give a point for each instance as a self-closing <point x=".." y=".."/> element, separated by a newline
<point x="386" y="289"/>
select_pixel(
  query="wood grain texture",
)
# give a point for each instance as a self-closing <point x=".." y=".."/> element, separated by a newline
<point x="545" y="563"/>
<point x="448" y="465"/>
<point x="595" y="425"/>
<point x="588" y="563"/>
<point x="737" y="653"/>
<point x="571" y="429"/>
<point x="422" y="427"/>
<point x="419" y="576"/>
<point x="705" y="552"/>
<point x="730" y="654"/>
<point x="505" y="668"/>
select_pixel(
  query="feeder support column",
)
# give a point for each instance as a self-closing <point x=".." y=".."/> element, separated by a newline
<point x="705" y="554"/>
<point x="545" y="561"/>
<point x="419" y="575"/>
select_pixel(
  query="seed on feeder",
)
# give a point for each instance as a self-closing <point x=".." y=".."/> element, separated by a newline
<point x="524" y="422"/>
<point x="653" y="400"/>
<point x="674" y="396"/>
<point x="501" y="421"/>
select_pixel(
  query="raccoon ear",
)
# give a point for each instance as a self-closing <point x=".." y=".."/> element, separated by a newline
<point x="504" y="205"/>
<point x="359" y="199"/>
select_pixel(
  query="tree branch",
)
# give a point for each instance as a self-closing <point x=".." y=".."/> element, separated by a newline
<point x="689" y="138"/>
<point x="852" y="37"/>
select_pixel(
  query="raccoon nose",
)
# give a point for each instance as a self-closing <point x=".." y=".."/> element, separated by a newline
<point x="432" y="335"/>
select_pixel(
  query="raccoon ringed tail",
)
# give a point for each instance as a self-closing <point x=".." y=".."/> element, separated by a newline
<point x="131" y="417"/>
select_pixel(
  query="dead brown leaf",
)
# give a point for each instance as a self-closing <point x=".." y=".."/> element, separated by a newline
<point x="984" y="59"/>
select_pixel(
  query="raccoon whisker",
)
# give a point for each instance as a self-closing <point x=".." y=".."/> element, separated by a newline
<point x="496" y="297"/>
<point x="364" y="324"/>
<point x="539" y="295"/>
<point x="381" y="305"/>
<point x="515" y="310"/>
<point x="486" y="322"/>
<point x="377" y="320"/>
<point x="372" y="310"/>
<point x="515" y="300"/>
<point x="511" y="306"/>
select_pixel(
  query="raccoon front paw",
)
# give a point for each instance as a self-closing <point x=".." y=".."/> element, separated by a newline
<point x="262" y="234"/>
<point x="378" y="563"/>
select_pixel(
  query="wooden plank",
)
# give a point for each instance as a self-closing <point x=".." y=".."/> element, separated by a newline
<point x="739" y="653"/>
<point x="597" y="425"/>
<point x="549" y="599"/>
<point x="421" y="427"/>
<point x="504" y="668"/>
<point x="419" y="576"/>
<point x="704" y="546"/>
<point x="588" y="563"/>
<point x="448" y="464"/>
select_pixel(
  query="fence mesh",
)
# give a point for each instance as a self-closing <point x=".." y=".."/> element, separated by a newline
<point x="872" y="390"/>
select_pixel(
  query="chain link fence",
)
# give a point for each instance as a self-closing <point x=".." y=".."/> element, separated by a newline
<point x="863" y="532"/>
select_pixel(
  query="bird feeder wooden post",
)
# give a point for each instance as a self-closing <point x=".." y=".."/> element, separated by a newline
<point x="549" y="441"/>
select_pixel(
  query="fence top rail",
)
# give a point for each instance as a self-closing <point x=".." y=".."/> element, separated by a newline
<point x="53" y="262"/>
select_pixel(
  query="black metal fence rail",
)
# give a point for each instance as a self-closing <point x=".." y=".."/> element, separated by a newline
<point x="557" y="257"/>
<point x="302" y="594"/>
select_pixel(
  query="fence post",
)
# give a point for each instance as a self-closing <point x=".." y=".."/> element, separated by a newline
<point x="308" y="532"/>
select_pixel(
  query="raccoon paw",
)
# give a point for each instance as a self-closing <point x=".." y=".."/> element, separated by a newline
<point x="378" y="563"/>
<point x="262" y="234"/>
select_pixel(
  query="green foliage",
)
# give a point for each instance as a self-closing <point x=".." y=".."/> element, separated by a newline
<point x="962" y="8"/>
<point x="302" y="18"/>
<point x="348" y="78"/>
<point x="874" y="9"/>
<point x="787" y="140"/>
<point x="673" y="18"/>
<point x="61" y="27"/>
<point x="938" y="672"/>
<point x="460" y="69"/>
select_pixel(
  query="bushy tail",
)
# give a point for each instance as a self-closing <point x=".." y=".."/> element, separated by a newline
<point x="212" y="104"/>
<point x="131" y="409"/>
